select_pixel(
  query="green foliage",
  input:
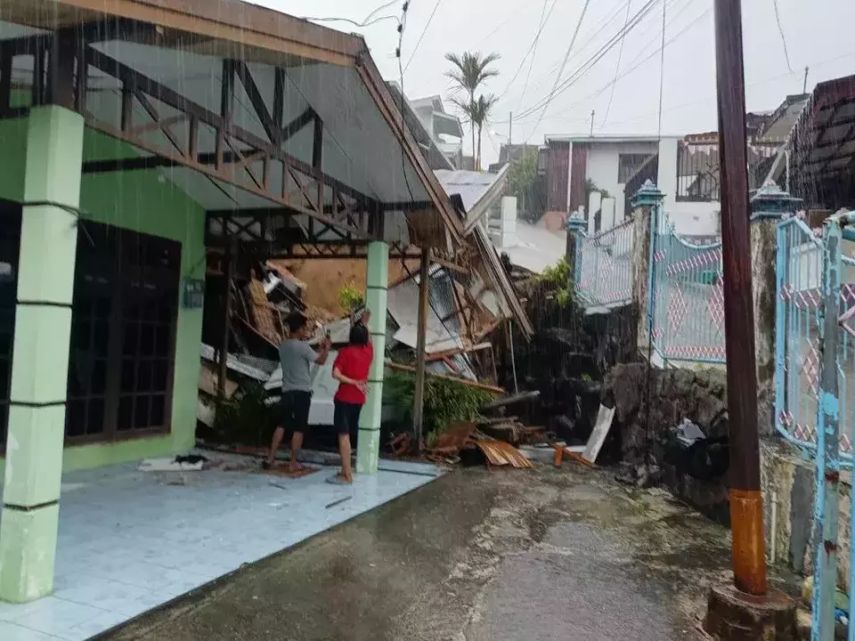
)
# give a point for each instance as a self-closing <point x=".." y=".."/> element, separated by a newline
<point x="521" y="176"/>
<point x="559" y="279"/>
<point x="590" y="186"/>
<point x="245" y="418"/>
<point x="469" y="72"/>
<point x="349" y="297"/>
<point x="446" y="401"/>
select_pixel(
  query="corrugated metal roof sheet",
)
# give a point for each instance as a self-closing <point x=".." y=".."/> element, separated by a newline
<point x="472" y="186"/>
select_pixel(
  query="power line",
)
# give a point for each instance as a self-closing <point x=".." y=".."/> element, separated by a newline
<point x="662" y="70"/>
<point x="638" y="62"/>
<point x="617" y="66"/>
<point x="365" y="23"/>
<point x="606" y="22"/>
<point x="424" y="31"/>
<point x="591" y="60"/>
<point x="562" y="86"/>
<point x="402" y="24"/>
<point x="385" y="5"/>
<point x="563" y="65"/>
<point x="544" y="16"/>
<point x="783" y="38"/>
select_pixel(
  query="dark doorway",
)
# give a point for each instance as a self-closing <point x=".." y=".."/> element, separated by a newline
<point x="10" y="241"/>
<point x="123" y="328"/>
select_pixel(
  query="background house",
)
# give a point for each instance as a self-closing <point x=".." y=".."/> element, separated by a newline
<point x="601" y="173"/>
<point x="444" y="128"/>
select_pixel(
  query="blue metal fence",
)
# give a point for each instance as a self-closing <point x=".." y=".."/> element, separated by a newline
<point x="686" y="298"/>
<point x="797" y="359"/>
<point x="814" y="370"/>
<point x="604" y="264"/>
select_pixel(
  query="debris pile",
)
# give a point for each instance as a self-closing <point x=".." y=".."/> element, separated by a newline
<point x="465" y="319"/>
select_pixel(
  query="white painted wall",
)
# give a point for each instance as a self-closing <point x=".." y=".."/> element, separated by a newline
<point x="689" y="218"/>
<point x="603" y="167"/>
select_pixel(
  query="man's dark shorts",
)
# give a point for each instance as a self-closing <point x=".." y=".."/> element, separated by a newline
<point x="346" y="417"/>
<point x="294" y="407"/>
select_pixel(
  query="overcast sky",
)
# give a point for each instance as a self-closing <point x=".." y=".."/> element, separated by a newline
<point x="817" y="34"/>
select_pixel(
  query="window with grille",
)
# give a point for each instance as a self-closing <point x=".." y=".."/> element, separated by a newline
<point x="123" y="333"/>
<point x="628" y="164"/>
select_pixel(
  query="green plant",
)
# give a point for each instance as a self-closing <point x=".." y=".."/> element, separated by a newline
<point x="558" y="279"/>
<point x="590" y="186"/>
<point x="469" y="72"/>
<point x="245" y="418"/>
<point x="521" y="177"/>
<point x="349" y="297"/>
<point x="446" y="401"/>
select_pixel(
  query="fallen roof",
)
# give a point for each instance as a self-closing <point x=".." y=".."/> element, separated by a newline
<point x="478" y="190"/>
<point x="329" y="72"/>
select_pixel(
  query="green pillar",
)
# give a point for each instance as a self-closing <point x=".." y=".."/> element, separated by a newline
<point x="368" y="452"/>
<point x="28" y="529"/>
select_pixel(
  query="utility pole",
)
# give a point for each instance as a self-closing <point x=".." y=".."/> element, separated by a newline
<point x="746" y="604"/>
<point x="804" y="85"/>
<point x="592" y="121"/>
<point x="510" y="133"/>
<point x="746" y="500"/>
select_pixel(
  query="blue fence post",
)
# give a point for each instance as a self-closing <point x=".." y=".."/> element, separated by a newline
<point x="827" y="455"/>
<point x="649" y="198"/>
<point x="781" y="255"/>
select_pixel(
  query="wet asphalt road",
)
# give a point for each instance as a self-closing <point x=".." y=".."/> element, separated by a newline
<point x="476" y="556"/>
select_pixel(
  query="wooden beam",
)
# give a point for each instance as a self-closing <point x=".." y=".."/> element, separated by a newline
<point x="271" y="128"/>
<point x="421" y="344"/>
<point x="148" y="86"/>
<point x="248" y="25"/>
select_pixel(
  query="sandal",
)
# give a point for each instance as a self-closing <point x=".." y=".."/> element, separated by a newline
<point x="338" y="479"/>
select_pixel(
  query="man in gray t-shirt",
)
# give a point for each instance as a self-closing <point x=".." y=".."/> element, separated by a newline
<point x="296" y="357"/>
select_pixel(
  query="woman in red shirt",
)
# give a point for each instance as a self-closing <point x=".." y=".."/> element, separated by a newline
<point x="351" y="370"/>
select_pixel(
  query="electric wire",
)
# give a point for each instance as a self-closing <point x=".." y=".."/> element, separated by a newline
<point x="562" y="86"/>
<point x="783" y="38"/>
<point x="617" y="67"/>
<point x="544" y="16"/>
<point x="563" y="66"/>
<point x="422" y="35"/>
<point x="589" y="63"/>
<point x="543" y="19"/>
<point x="662" y="69"/>
<point x="637" y="62"/>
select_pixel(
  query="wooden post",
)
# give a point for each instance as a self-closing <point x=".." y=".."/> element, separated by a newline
<point x="222" y="375"/>
<point x="421" y="356"/>
<point x="746" y="501"/>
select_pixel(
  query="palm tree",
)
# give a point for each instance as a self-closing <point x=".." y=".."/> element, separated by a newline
<point x="480" y="114"/>
<point x="470" y="71"/>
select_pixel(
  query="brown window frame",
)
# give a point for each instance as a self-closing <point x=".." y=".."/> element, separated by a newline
<point x="134" y="269"/>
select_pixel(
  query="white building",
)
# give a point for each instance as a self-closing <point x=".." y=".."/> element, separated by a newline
<point x="603" y="173"/>
<point x="444" y="128"/>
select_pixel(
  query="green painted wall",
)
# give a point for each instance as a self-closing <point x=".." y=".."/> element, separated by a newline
<point x="146" y="202"/>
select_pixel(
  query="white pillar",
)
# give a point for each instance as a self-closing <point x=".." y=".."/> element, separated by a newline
<point x="368" y="448"/>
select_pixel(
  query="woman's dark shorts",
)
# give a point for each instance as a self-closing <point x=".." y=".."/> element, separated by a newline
<point x="346" y="417"/>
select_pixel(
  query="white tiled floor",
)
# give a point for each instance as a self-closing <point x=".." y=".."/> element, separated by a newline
<point x="129" y="540"/>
